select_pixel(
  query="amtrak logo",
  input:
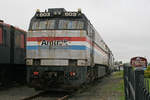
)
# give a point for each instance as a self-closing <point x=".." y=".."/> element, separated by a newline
<point x="54" y="43"/>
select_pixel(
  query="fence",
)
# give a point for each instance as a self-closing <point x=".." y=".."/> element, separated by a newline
<point x="136" y="87"/>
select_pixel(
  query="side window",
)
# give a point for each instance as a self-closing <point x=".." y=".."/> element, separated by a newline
<point x="1" y="36"/>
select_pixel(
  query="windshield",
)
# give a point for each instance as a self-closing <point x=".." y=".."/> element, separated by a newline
<point x="57" y="24"/>
<point x="67" y="24"/>
<point x="49" y="24"/>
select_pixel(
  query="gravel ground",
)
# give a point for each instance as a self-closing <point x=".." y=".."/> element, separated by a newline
<point x="106" y="89"/>
<point x="16" y="93"/>
<point x="103" y="89"/>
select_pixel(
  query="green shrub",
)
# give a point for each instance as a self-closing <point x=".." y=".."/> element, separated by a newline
<point x="147" y="72"/>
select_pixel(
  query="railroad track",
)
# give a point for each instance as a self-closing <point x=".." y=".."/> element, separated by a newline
<point x="64" y="97"/>
<point x="46" y="95"/>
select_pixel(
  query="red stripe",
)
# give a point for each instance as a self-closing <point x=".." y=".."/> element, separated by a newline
<point x="56" y="38"/>
<point x="95" y="46"/>
<point x="1" y="36"/>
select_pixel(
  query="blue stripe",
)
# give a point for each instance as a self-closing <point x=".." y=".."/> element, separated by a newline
<point x="73" y="47"/>
<point x="32" y="47"/>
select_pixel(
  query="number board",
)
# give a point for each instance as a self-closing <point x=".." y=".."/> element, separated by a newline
<point x="60" y="14"/>
<point x="138" y="62"/>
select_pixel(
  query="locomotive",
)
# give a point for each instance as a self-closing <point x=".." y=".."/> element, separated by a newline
<point x="64" y="50"/>
<point x="12" y="54"/>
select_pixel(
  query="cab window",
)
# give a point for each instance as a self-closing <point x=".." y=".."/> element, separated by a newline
<point x="68" y="24"/>
<point x="43" y="25"/>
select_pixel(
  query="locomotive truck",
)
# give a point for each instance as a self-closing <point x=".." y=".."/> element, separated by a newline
<point x="12" y="54"/>
<point x="64" y="50"/>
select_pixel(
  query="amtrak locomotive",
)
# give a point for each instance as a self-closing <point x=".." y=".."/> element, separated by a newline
<point x="64" y="50"/>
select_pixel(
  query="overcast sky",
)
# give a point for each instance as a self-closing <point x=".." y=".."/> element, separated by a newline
<point x="123" y="24"/>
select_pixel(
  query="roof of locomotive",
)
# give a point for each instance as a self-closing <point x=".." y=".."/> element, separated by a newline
<point x="59" y="13"/>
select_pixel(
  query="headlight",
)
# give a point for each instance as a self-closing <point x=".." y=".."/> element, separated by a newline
<point x="29" y="62"/>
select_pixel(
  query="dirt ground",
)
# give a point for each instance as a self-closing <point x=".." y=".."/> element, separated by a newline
<point x="16" y="93"/>
<point x="108" y="88"/>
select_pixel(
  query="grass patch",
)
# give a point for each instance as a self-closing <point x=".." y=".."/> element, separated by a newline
<point x="119" y="86"/>
<point x="118" y="74"/>
<point x="148" y="81"/>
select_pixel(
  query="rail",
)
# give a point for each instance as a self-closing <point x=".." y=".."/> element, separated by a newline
<point x="38" y="96"/>
<point x="33" y="96"/>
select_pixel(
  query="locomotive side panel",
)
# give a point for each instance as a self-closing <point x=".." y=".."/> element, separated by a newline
<point x="101" y="54"/>
<point x="11" y="69"/>
<point x="4" y="44"/>
<point x="12" y="50"/>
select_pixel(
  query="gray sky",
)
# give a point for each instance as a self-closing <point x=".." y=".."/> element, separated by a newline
<point x="123" y="24"/>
